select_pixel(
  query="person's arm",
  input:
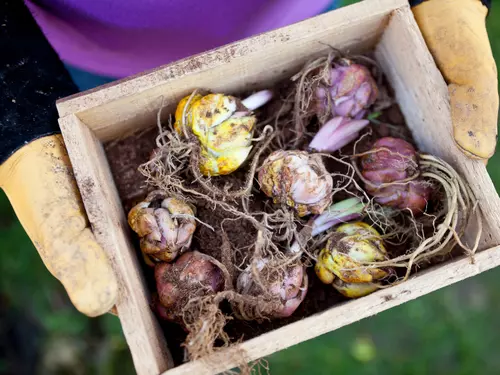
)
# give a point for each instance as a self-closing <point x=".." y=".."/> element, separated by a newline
<point x="455" y="33"/>
<point x="35" y="171"/>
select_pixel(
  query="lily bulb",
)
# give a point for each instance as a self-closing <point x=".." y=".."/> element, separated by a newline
<point x="193" y="274"/>
<point x="224" y="126"/>
<point x="290" y="288"/>
<point x="297" y="179"/>
<point x="336" y="133"/>
<point x="346" y="252"/>
<point x="392" y="160"/>
<point x="165" y="226"/>
<point x="413" y="196"/>
<point x="350" y="91"/>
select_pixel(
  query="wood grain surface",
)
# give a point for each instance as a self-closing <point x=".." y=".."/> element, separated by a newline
<point x="100" y="197"/>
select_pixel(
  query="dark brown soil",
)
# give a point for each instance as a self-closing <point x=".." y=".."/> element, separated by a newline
<point x="126" y="155"/>
<point x="124" y="158"/>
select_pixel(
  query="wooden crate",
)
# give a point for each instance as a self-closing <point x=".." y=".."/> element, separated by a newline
<point x="108" y="112"/>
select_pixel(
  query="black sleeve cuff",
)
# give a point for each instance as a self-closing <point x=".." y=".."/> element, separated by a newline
<point x="32" y="78"/>
<point x="486" y="3"/>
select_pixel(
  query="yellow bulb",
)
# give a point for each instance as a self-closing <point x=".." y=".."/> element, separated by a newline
<point x="232" y="133"/>
<point x="363" y="231"/>
<point x="344" y="255"/>
<point x="323" y="273"/>
<point x="354" y="290"/>
<point x="223" y="127"/>
<point x="210" y="111"/>
<point x="179" y="112"/>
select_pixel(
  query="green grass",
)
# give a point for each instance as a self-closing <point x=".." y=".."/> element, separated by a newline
<point x="451" y="331"/>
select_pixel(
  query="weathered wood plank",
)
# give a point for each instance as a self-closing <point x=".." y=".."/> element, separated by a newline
<point x="102" y="204"/>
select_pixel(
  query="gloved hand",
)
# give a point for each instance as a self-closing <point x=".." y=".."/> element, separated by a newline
<point x="455" y="33"/>
<point x="38" y="180"/>
<point x="35" y="170"/>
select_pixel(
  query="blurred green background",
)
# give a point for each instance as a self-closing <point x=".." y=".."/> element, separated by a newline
<point x="451" y="331"/>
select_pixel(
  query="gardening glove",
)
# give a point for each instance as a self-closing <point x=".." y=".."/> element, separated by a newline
<point x="35" y="170"/>
<point x="455" y="33"/>
<point x="39" y="182"/>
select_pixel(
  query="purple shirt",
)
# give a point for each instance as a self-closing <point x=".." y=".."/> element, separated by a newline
<point x="118" y="38"/>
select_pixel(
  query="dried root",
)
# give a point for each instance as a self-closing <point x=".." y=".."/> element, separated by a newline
<point x="205" y="322"/>
<point x="314" y="73"/>
<point x="448" y="224"/>
<point x="175" y="161"/>
<point x="212" y="190"/>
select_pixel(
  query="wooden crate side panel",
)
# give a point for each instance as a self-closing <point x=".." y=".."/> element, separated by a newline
<point x="105" y="213"/>
<point x="130" y="105"/>
<point x="423" y="95"/>
<point x="347" y="313"/>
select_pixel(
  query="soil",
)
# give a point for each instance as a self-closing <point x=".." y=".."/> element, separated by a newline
<point x="126" y="155"/>
<point x="124" y="158"/>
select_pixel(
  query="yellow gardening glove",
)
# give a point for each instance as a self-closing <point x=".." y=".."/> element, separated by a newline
<point x="38" y="179"/>
<point x="456" y="35"/>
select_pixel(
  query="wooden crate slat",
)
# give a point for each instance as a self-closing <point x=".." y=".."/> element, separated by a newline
<point x="102" y="204"/>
